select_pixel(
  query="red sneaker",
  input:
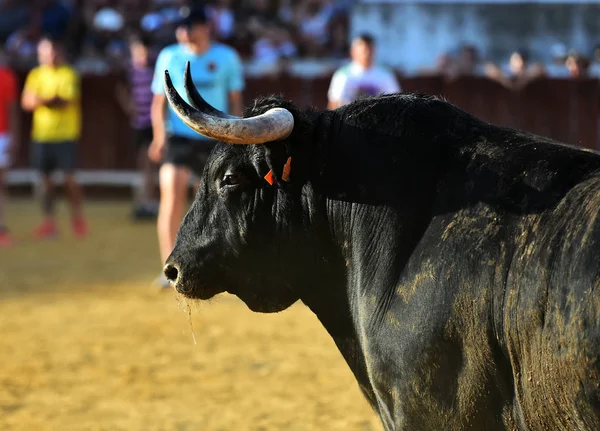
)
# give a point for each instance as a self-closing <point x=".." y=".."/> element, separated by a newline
<point x="6" y="239"/>
<point x="80" y="228"/>
<point x="45" y="231"/>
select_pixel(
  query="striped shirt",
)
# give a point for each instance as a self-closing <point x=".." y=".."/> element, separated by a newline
<point x="140" y="80"/>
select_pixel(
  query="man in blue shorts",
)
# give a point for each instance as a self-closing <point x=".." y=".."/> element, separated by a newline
<point x="218" y="75"/>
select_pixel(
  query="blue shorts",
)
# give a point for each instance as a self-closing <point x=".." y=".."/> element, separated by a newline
<point x="50" y="156"/>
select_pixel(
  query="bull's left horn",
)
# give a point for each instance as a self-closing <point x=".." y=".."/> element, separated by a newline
<point x="196" y="100"/>
<point x="275" y="124"/>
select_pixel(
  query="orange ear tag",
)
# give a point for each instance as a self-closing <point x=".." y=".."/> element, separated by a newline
<point x="285" y="176"/>
<point x="269" y="177"/>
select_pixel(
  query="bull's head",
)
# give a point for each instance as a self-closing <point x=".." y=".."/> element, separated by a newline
<point x="236" y="233"/>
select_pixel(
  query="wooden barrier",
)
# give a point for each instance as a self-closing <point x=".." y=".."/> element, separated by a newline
<point x="565" y="110"/>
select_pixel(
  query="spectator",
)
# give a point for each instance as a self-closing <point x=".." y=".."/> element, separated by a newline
<point x="108" y="20"/>
<point x="594" y="69"/>
<point x="151" y="21"/>
<point x="54" y="17"/>
<point x="286" y="12"/>
<point x="14" y="15"/>
<point x="99" y="28"/>
<point x="338" y="43"/>
<point x="21" y="46"/>
<point x="181" y="35"/>
<point x="313" y="21"/>
<point x="218" y="72"/>
<point x="468" y="63"/>
<point x="136" y="99"/>
<point x="361" y="77"/>
<point x="160" y="22"/>
<point x="9" y="138"/>
<point x="116" y="53"/>
<point x="77" y="31"/>
<point x="260" y="10"/>
<point x="257" y="17"/>
<point x="444" y="66"/>
<point x="52" y="93"/>
<point x="519" y="73"/>
<point x="577" y="65"/>
<point x="223" y="19"/>
<point x="557" y="69"/>
<point x="92" y="61"/>
<point x="274" y="45"/>
<point x="108" y="25"/>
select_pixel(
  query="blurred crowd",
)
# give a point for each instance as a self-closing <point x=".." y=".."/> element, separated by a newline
<point x="68" y="38"/>
<point x="265" y="32"/>
<point x="520" y="68"/>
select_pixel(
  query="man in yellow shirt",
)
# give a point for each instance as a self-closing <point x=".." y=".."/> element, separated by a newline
<point x="52" y="93"/>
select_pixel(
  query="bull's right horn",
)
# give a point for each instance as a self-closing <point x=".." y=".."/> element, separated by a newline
<point x="275" y="124"/>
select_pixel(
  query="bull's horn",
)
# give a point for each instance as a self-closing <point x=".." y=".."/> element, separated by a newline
<point x="273" y="125"/>
<point x="196" y="100"/>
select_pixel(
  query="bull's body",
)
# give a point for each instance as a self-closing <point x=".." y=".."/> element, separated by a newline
<point x="478" y="308"/>
<point x="454" y="263"/>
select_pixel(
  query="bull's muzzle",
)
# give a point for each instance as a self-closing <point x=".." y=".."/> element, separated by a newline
<point x="187" y="283"/>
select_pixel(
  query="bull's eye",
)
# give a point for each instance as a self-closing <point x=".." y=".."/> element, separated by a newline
<point x="231" y="179"/>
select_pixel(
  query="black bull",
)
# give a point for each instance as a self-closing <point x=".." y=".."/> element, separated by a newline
<point x="456" y="264"/>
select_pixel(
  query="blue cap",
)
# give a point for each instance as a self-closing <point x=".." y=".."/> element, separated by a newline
<point x="192" y="15"/>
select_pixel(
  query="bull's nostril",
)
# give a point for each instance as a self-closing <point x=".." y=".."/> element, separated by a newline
<point x="171" y="272"/>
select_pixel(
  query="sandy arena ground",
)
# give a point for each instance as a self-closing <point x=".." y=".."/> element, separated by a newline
<point x="87" y="343"/>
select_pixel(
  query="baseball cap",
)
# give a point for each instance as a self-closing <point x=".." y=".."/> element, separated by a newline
<point x="192" y="15"/>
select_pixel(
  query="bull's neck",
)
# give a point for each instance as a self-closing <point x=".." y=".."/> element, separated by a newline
<point x="323" y="287"/>
<point x="368" y="194"/>
<point x="329" y="299"/>
<point x="358" y="189"/>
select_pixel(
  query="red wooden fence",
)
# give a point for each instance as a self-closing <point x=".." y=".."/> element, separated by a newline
<point x="566" y="110"/>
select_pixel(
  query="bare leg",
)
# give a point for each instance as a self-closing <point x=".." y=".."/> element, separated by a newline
<point x="75" y="197"/>
<point x="147" y="169"/>
<point x="5" y="237"/>
<point x="48" y="199"/>
<point x="48" y="227"/>
<point x="173" y="196"/>
<point x="2" y="201"/>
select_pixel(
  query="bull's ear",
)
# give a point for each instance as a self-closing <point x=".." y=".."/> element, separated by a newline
<point x="276" y="154"/>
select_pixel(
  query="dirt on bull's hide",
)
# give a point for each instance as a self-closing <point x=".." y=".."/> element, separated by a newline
<point x="546" y="322"/>
<point x="551" y="317"/>
<point x="463" y="370"/>
<point x="554" y="368"/>
<point x="406" y="290"/>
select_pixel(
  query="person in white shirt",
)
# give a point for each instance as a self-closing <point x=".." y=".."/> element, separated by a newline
<point x="361" y="77"/>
